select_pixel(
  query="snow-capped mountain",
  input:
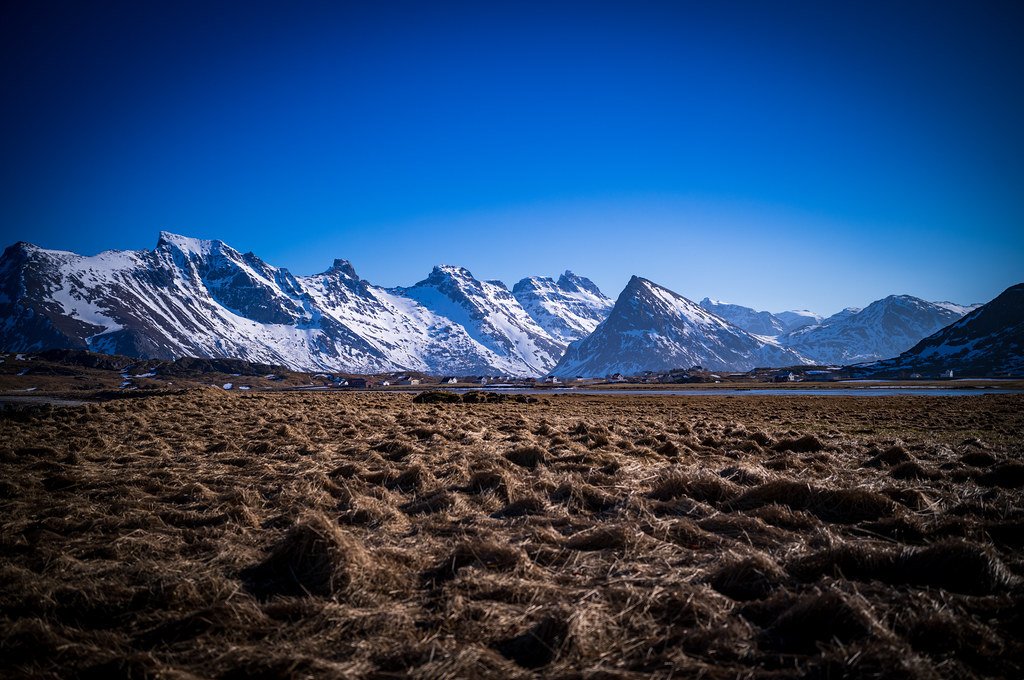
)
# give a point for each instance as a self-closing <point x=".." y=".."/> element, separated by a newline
<point x="988" y="341"/>
<point x="882" y="329"/>
<point x="650" y="328"/>
<point x="490" y="314"/>
<point x="411" y="336"/>
<point x="750" y="320"/>
<point x="192" y="297"/>
<point x="568" y="309"/>
<point x="797" y="318"/>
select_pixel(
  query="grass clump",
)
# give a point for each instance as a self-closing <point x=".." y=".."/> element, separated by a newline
<point x="815" y="619"/>
<point x="315" y="558"/>
<point x="750" y="578"/>
<point x="805" y="444"/>
<point x="529" y="457"/>
<point x="437" y="397"/>
<point x="830" y="505"/>
<point x="953" y="565"/>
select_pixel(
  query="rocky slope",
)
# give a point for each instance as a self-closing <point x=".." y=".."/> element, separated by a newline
<point x="489" y="313"/>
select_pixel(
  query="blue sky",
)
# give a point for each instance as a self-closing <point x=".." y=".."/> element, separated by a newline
<point x="779" y="155"/>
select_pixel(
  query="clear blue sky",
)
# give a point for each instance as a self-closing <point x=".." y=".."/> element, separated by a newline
<point x="775" y="154"/>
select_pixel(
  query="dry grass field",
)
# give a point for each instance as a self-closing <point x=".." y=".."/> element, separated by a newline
<point x="220" y="535"/>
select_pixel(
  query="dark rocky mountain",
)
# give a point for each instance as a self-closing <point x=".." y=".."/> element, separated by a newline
<point x="987" y="342"/>
<point x="651" y="328"/>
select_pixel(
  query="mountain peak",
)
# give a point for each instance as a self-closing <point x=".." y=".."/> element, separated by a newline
<point x="638" y="284"/>
<point x="23" y="247"/>
<point x="535" y="283"/>
<point x="186" y="244"/>
<point x="653" y="328"/>
<point x="572" y="282"/>
<point x="343" y="267"/>
<point x="451" y="271"/>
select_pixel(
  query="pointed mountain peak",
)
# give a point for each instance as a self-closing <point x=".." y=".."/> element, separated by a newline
<point x="638" y="283"/>
<point x="444" y="273"/>
<point x="186" y="244"/>
<point x="18" y="254"/>
<point x="21" y="248"/>
<point x="343" y="268"/>
<point x="532" y="283"/>
<point x="572" y="282"/>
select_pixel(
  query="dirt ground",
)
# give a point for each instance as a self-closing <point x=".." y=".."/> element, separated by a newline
<point x="221" y="535"/>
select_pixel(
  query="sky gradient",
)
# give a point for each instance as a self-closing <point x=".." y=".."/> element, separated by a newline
<point x="778" y="155"/>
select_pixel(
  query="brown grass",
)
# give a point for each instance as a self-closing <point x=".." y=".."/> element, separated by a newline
<point x="207" y="534"/>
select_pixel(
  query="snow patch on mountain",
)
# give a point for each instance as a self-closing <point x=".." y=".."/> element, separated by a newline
<point x="962" y="310"/>
<point x="797" y="318"/>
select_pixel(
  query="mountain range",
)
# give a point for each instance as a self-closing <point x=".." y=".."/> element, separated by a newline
<point x="989" y="340"/>
<point x="881" y="330"/>
<point x="193" y="297"/>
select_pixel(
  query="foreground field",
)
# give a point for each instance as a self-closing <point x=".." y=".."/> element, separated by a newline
<point x="363" y="535"/>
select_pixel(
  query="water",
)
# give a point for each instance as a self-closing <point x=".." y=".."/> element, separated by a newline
<point x="875" y="391"/>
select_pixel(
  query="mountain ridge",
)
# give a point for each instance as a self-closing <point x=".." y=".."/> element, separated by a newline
<point x="202" y="297"/>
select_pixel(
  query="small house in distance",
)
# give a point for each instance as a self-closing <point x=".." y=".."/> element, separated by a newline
<point x="360" y="383"/>
<point x="408" y="381"/>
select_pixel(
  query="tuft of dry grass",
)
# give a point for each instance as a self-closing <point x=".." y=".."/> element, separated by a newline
<point x="316" y="557"/>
